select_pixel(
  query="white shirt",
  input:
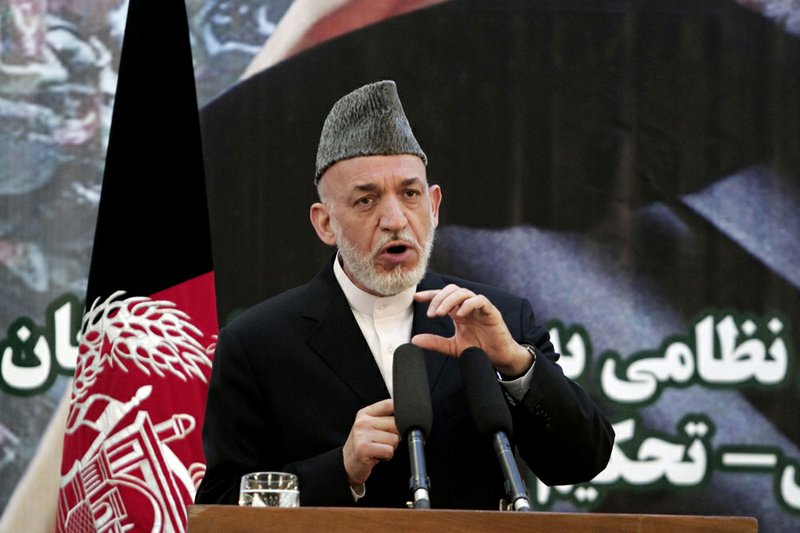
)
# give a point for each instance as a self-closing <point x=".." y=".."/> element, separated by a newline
<point x="385" y="321"/>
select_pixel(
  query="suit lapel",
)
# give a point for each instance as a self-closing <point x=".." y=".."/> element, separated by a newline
<point x="434" y="361"/>
<point x="338" y="340"/>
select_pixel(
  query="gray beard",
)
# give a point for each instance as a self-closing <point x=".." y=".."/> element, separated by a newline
<point x="385" y="283"/>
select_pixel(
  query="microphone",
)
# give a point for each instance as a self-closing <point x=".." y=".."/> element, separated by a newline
<point x="413" y="415"/>
<point x="491" y="415"/>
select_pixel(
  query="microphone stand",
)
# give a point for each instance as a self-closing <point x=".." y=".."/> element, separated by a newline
<point x="419" y="482"/>
<point x="515" y="487"/>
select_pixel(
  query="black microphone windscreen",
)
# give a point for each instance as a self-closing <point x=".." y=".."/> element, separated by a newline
<point x="486" y="401"/>
<point x="412" y="397"/>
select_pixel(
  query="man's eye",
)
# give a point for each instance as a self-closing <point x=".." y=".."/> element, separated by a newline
<point x="412" y="193"/>
<point x="366" y="200"/>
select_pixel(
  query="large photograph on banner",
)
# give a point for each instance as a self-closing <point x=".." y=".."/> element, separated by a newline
<point x="630" y="167"/>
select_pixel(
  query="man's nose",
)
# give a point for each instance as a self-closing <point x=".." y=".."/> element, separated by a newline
<point x="393" y="218"/>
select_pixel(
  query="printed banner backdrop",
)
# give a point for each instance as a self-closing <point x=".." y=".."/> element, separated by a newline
<point x="632" y="167"/>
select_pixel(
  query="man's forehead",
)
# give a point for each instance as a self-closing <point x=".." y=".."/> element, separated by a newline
<point x="372" y="172"/>
<point x="378" y="183"/>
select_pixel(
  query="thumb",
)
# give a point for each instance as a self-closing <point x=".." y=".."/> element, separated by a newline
<point x="428" y="341"/>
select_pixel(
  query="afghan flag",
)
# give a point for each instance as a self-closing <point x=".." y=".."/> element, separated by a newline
<point x="132" y="450"/>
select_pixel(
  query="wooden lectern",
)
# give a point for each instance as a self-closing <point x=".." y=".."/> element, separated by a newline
<point x="232" y="519"/>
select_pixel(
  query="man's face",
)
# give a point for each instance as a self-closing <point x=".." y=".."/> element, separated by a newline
<point x="381" y="213"/>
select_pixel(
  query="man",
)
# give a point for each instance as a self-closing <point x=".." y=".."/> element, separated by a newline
<point x="302" y="382"/>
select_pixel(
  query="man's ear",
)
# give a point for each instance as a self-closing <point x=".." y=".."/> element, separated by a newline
<point x="321" y="220"/>
<point x="435" y="195"/>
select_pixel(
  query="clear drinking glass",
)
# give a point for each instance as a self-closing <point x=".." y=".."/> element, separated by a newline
<point x="269" y="489"/>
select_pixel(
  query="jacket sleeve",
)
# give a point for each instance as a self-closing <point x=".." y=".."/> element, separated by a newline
<point x="235" y="433"/>
<point x="561" y="434"/>
<point x="238" y="437"/>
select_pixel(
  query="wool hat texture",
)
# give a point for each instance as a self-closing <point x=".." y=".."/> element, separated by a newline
<point x="367" y="121"/>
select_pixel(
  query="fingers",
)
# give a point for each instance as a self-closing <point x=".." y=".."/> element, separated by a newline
<point x="476" y="320"/>
<point x="428" y="341"/>
<point x="379" y="418"/>
<point x="373" y="438"/>
<point x="452" y="299"/>
<point x="381" y="408"/>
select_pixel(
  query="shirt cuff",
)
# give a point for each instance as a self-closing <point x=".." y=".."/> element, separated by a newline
<point x="517" y="387"/>
<point x="358" y="492"/>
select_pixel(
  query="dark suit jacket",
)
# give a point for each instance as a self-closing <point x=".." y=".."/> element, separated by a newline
<point x="290" y="374"/>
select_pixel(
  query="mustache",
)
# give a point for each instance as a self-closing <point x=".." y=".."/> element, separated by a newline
<point x="404" y="236"/>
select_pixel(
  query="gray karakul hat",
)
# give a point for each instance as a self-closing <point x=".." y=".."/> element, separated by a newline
<point x="368" y="121"/>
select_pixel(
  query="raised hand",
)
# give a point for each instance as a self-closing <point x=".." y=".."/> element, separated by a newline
<point x="477" y="323"/>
